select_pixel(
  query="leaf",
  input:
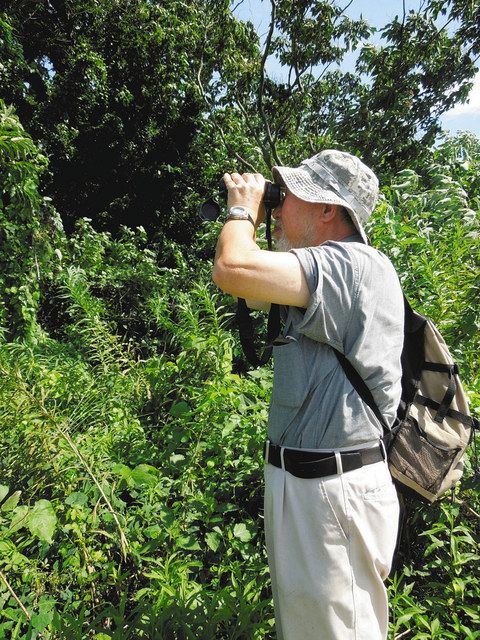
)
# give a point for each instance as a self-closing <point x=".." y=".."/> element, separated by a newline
<point x="153" y="531"/>
<point x="77" y="497"/>
<point x="122" y="470"/>
<point x="42" y="521"/>
<point x="213" y="540"/>
<point x="241" y="532"/>
<point x="3" y="491"/>
<point x="20" y="518"/>
<point x="11" y="502"/>
<point x="44" y="617"/>
<point x="141" y="475"/>
<point x="179" y="409"/>
<point x="189" y="543"/>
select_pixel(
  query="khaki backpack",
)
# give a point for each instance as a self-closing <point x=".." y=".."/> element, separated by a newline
<point x="427" y="443"/>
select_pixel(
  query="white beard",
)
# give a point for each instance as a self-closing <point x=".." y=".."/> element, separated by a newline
<point x="282" y="244"/>
<point x="308" y="240"/>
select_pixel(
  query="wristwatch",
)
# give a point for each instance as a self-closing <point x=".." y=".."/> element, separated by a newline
<point x="240" y="213"/>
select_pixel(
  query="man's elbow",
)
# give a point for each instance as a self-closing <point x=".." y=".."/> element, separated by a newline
<point x="222" y="276"/>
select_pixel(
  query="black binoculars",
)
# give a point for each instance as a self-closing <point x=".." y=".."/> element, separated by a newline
<point x="273" y="197"/>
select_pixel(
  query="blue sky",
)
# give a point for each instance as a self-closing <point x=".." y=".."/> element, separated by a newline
<point x="378" y="13"/>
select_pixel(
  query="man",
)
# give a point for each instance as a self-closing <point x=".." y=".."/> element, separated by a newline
<point x="331" y="511"/>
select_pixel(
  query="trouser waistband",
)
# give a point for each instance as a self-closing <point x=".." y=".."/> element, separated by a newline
<point x="311" y="464"/>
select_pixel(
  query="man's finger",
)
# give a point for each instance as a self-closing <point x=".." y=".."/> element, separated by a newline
<point x="228" y="180"/>
<point x="236" y="177"/>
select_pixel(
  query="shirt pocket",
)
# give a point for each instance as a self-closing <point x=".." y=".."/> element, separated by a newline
<point x="289" y="379"/>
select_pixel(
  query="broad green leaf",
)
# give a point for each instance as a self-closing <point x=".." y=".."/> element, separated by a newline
<point x="241" y="532"/>
<point x="11" y="502"/>
<point x="42" y="521"/>
<point x="153" y="531"/>
<point x="122" y="470"/>
<point x="189" y="543"/>
<point x="142" y="475"/>
<point x="179" y="409"/>
<point x="213" y="540"/>
<point x="44" y="617"/>
<point x="20" y="518"/>
<point x="77" y="497"/>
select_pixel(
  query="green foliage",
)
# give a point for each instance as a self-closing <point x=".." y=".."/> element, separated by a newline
<point x="112" y="94"/>
<point x="130" y="446"/>
<point x="414" y="69"/>
<point x="28" y="226"/>
<point x="429" y="225"/>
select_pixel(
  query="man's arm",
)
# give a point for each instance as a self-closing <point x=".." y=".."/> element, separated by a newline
<point x="244" y="270"/>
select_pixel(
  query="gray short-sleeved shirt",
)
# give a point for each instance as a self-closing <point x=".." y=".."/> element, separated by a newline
<point x="356" y="306"/>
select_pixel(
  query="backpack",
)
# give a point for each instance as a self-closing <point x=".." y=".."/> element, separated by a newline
<point x="433" y="427"/>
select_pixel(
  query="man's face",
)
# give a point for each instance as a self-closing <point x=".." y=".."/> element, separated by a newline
<point x="295" y="224"/>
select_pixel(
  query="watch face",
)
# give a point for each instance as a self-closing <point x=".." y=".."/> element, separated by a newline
<point x="238" y="211"/>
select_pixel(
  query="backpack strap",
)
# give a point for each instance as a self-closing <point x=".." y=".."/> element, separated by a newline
<point x="247" y="333"/>
<point x="468" y="421"/>
<point x="452" y="370"/>
<point x="361" y="388"/>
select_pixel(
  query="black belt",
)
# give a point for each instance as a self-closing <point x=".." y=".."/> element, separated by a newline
<point x="312" y="464"/>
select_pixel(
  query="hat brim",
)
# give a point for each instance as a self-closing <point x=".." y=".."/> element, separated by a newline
<point x="299" y="182"/>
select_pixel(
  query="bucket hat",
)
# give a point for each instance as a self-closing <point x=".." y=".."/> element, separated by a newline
<point x="334" y="177"/>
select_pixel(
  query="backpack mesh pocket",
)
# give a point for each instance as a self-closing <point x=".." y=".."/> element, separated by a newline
<point x="417" y="462"/>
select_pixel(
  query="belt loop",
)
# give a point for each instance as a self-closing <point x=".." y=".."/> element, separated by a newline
<point x="338" y="459"/>
<point x="267" y="450"/>
<point x="282" y="461"/>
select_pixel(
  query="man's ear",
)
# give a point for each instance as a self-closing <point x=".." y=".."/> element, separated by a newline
<point x="329" y="212"/>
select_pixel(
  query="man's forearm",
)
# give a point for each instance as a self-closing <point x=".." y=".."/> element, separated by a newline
<point x="235" y="245"/>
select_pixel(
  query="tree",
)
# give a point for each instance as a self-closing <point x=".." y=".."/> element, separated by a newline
<point x="111" y="94"/>
<point x="141" y="106"/>
<point x="387" y="111"/>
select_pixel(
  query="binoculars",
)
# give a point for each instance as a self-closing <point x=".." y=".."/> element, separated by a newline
<point x="273" y="197"/>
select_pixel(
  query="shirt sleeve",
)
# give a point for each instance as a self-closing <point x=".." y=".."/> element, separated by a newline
<point x="332" y="278"/>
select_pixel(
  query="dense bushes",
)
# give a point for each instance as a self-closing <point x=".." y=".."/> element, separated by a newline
<point x="130" y="450"/>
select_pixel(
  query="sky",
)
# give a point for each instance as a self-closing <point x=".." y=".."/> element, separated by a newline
<point x="463" y="117"/>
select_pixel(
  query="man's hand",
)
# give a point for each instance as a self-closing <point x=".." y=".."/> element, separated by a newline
<point x="247" y="191"/>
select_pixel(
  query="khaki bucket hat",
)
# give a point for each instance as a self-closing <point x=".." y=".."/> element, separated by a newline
<point x="334" y="177"/>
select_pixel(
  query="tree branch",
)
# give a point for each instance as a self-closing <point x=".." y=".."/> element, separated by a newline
<point x="217" y="126"/>
<point x="341" y="12"/>
<point x="254" y="133"/>
<point x="261" y="88"/>
<point x="14" y="595"/>
<point x="239" y="4"/>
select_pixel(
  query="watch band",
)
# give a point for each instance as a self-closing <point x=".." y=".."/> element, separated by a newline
<point x="247" y="217"/>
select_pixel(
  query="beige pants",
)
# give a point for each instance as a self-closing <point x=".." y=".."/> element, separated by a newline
<point x="330" y="543"/>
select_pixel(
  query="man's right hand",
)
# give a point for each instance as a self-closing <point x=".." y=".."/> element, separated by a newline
<point x="246" y="190"/>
